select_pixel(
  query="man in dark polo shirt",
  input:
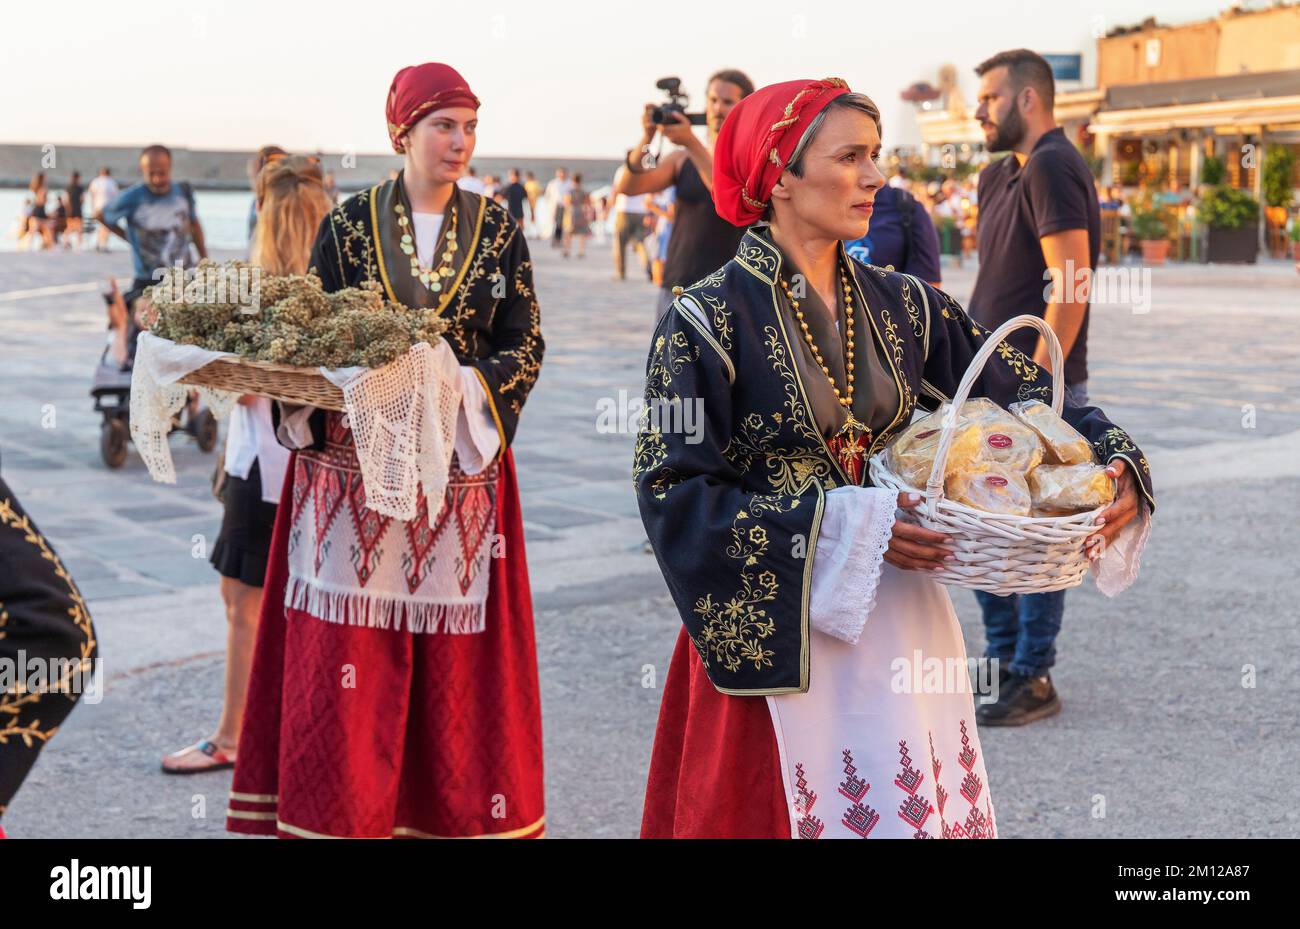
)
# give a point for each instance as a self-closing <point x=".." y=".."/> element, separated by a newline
<point x="1038" y="210"/>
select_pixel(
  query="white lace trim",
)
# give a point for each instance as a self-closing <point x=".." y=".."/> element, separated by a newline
<point x="857" y="525"/>
<point x="403" y="420"/>
<point x="156" y="398"/>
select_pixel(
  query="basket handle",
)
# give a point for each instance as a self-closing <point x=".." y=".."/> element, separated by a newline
<point x="934" y="486"/>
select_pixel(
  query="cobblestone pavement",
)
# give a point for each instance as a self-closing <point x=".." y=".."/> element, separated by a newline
<point x="1157" y="729"/>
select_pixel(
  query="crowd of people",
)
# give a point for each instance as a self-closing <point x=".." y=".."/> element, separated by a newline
<point x="773" y="240"/>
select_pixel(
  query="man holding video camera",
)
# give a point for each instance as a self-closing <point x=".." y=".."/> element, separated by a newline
<point x="701" y="241"/>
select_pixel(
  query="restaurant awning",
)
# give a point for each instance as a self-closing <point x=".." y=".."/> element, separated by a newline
<point x="1239" y="101"/>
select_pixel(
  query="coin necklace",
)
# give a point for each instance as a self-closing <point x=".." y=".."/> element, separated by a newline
<point x="432" y="278"/>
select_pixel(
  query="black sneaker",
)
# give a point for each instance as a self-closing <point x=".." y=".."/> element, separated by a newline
<point x="1021" y="700"/>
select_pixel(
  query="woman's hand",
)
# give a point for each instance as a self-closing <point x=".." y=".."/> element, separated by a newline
<point x="1116" y="516"/>
<point x="914" y="548"/>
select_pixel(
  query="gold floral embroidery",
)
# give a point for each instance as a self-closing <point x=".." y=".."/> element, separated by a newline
<point x="1017" y="361"/>
<point x="762" y="261"/>
<point x="12" y="702"/>
<point x="787" y="470"/>
<point x="781" y="363"/>
<point x="734" y="630"/>
<point x="718" y="307"/>
<point x="913" y="311"/>
<point x="651" y="451"/>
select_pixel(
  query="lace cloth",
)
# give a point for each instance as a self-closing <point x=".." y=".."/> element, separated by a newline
<point x="857" y="524"/>
<point x="156" y="398"/>
<point x="403" y="416"/>
<point x="403" y="420"/>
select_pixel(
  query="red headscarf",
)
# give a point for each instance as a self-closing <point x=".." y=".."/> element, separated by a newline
<point x="419" y="89"/>
<point x="757" y="138"/>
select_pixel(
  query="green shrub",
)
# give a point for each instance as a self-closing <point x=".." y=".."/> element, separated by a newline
<point x="1226" y="207"/>
<point x="1278" y="164"/>
<point x="1213" y="170"/>
<point x="1149" y="225"/>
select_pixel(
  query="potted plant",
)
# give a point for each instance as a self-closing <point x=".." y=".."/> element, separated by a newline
<point x="1149" y="229"/>
<point x="1213" y="171"/>
<point x="1231" y="216"/>
<point x="1279" y="163"/>
<point x="1295" y="241"/>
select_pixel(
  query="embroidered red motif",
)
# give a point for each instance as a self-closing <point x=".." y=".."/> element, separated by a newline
<point x="915" y="809"/>
<point x="370" y="528"/>
<point x="860" y="817"/>
<point x="808" y="825"/>
<point x="328" y="501"/>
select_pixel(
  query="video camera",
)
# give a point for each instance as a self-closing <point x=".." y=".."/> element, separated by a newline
<point x="677" y="101"/>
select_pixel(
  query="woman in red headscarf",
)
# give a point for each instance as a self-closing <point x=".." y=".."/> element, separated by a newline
<point x="801" y="699"/>
<point x="394" y="684"/>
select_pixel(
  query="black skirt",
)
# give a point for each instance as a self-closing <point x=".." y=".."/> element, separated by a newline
<point x="242" y="548"/>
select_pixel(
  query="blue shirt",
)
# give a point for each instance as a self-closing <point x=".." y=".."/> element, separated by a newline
<point x="157" y="226"/>
<point x="887" y="244"/>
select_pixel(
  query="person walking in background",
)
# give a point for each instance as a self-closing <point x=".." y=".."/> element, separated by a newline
<point x="702" y="242"/>
<point x="577" y="218"/>
<point x="38" y="220"/>
<point x="517" y="198"/>
<point x="901" y="237"/>
<point x="471" y="181"/>
<point x="662" y="206"/>
<point x="1039" y="218"/>
<point x="534" y="191"/>
<point x="162" y="225"/>
<point x="291" y="202"/>
<point x="630" y="228"/>
<point x="73" y="196"/>
<point x="557" y="189"/>
<point x="255" y="165"/>
<point x="103" y="190"/>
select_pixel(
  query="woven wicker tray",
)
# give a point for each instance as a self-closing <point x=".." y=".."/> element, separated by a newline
<point x="275" y="381"/>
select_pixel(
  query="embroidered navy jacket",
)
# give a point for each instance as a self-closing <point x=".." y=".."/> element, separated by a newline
<point x="733" y="510"/>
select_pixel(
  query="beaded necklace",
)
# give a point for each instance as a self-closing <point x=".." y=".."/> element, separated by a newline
<point x="851" y="442"/>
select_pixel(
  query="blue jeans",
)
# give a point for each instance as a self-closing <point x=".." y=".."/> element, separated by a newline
<point x="1021" y="629"/>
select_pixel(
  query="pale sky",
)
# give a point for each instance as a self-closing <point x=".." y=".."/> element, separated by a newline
<point x="555" y="79"/>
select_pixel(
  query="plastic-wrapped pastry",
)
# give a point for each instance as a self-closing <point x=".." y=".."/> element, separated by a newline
<point x="912" y="453"/>
<point x="1063" y="442"/>
<point x="1061" y="489"/>
<point x="994" y="490"/>
<point x="1002" y="439"/>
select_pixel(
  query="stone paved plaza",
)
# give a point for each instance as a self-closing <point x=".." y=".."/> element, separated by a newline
<point x="1156" y="719"/>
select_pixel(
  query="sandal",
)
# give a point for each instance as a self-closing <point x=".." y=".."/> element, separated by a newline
<point x="218" y="759"/>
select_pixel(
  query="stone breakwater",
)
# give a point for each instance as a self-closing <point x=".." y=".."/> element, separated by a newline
<point x="214" y="170"/>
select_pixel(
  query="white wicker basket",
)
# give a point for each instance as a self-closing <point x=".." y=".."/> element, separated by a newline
<point x="994" y="552"/>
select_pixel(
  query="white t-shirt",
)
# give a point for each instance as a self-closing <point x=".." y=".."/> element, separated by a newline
<point x="427" y="227"/>
<point x="102" y="190"/>
<point x="473" y="184"/>
<point x="635" y="204"/>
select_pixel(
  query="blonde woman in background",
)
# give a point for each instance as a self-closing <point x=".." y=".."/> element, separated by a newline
<point x="291" y="202"/>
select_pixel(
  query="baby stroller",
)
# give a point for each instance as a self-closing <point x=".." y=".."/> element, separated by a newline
<point x="111" y="387"/>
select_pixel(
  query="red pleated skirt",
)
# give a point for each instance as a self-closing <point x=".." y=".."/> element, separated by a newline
<point x="358" y="732"/>
<point x="715" y="771"/>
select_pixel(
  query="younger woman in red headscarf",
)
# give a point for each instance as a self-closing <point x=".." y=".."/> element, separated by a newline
<point x="786" y="711"/>
<point x="394" y="684"/>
